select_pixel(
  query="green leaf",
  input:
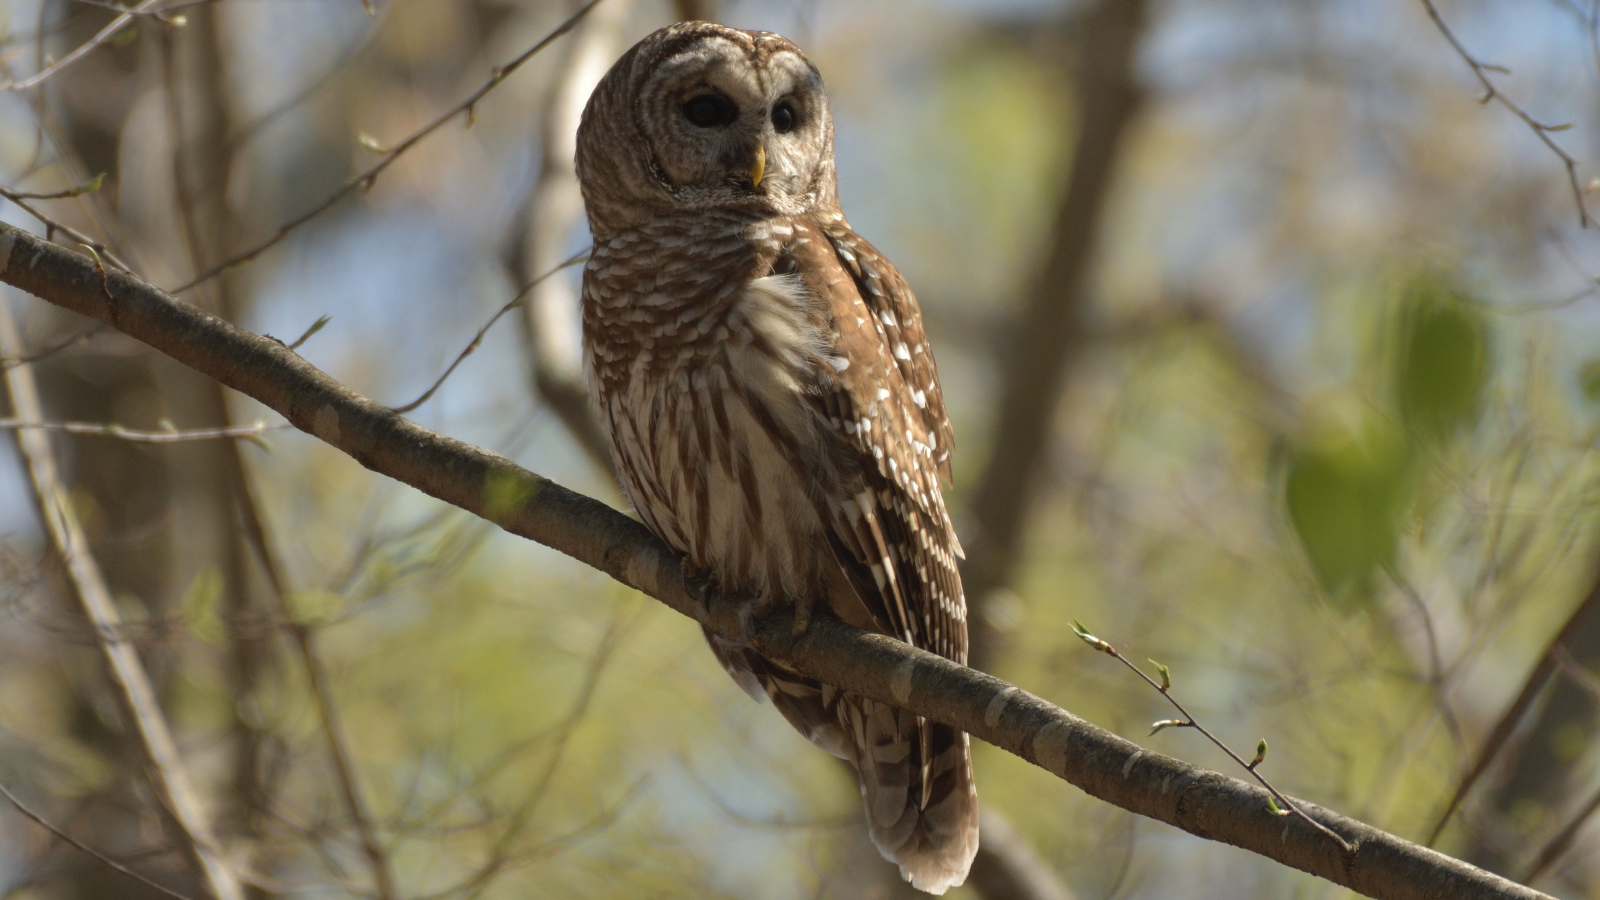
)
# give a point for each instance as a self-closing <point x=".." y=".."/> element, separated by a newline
<point x="1348" y="483"/>
<point x="1442" y="366"/>
<point x="200" y="601"/>
<point x="1166" y="675"/>
<point x="1589" y="379"/>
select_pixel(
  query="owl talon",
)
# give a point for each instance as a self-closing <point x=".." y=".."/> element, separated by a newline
<point x="802" y="617"/>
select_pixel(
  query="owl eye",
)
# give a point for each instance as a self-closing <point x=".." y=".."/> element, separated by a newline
<point x="709" y="111"/>
<point x="783" y="118"/>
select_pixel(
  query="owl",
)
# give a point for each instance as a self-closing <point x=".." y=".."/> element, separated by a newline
<point x="771" y="400"/>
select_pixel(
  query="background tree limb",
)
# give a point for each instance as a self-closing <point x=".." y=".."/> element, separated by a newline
<point x="1203" y="803"/>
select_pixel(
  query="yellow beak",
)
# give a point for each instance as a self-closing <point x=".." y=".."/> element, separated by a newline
<point x="758" y="168"/>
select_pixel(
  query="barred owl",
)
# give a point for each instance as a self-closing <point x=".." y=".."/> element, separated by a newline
<point x="771" y="400"/>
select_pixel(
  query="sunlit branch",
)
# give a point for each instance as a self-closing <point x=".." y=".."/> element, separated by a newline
<point x="174" y="436"/>
<point x="366" y="179"/>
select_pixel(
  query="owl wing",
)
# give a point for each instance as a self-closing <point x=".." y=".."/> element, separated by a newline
<point x="893" y="536"/>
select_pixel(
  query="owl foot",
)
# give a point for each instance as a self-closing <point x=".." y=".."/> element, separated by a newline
<point x="802" y="616"/>
<point x="718" y="608"/>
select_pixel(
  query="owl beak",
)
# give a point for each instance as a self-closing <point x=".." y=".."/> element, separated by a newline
<point x="758" y="167"/>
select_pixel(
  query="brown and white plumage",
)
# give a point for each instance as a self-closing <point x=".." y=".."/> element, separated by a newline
<point x="772" y="403"/>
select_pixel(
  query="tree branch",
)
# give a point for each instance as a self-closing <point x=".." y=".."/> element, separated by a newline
<point x="144" y="719"/>
<point x="1051" y="326"/>
<point x="1102" y="764"/>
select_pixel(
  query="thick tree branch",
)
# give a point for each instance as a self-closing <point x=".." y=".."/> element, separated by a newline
<point x="1201" y="802"/>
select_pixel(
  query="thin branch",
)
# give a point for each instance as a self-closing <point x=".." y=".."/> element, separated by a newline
<point x="53" y="225"/>
<point x="104" y="429"/>
<point x="1562" y="842"/>
<point x="477" y="339"/>
<point x="44" y="823"/>
<point x="1490" y="92"/>
<point x="1538" y="676"/>
<point x="7" y="362"/>
<point x="167" y="774"/>
<point x="365" y="180"/>
<point x="103" y="35"/>
<point x="1203" y="803"/>
<point x="1283" y="807"/>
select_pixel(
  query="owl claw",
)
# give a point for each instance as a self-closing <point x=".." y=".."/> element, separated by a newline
<point x="701" y="588"/>
<point x="802" y="617"/>
<point x="714" y="612"/>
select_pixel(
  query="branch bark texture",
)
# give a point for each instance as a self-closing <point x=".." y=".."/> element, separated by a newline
<point x="1201" y="802"/>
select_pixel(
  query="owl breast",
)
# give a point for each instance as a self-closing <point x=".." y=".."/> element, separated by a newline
<point x="706" y="410"/>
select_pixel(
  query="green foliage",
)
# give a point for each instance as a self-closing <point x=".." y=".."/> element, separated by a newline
<point x="1442" y="364"/>
<point x="1347" y="485"/>
<point x="1589" y="380"/>
<point x="1351" y="479"/>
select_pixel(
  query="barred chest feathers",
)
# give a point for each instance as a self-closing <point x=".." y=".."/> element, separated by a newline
<point x="702" y="393"/>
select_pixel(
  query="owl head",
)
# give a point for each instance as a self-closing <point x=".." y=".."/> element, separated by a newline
<point x="703" y="117"/>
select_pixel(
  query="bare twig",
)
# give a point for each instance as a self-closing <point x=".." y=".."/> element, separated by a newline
<point x="502" y="855"/>
<point x="1542" y="669"/>
<point x="105" y="429"/>
<point x="86" y="188"/>
<point x="103" y="35"/>
<point x="874" y="666"/>
<point x="7" y="362"/>
<point x="366" y="179"/>
<point x="167" y="774"/>
<point x="53" y="225"/>
<point x="1542" y="130"/>
<point x="477" y="339"/>
<point x="1283" y="806"/>
<point x="44" y="823"/>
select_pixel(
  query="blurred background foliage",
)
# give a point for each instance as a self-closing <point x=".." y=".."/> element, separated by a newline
<point x="1323" y="442"/>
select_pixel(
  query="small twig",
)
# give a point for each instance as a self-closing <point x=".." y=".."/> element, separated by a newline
<point x="103" y="35"/>
<point x="7" y="362"/>
<point x="1283" y="807"/>
<point x="173" y="436"/>
<point x="42" y="822"/>
<point x="88" y="187"/>
<point x="365" y="180"/>
<point x="477" y="339"/>
<point x="1541" y="129"/>
<point x="53" y="225"/>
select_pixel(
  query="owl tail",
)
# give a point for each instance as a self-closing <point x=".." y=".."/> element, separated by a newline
<point x="916" y="780"/>
<point x="916" y="776"/>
